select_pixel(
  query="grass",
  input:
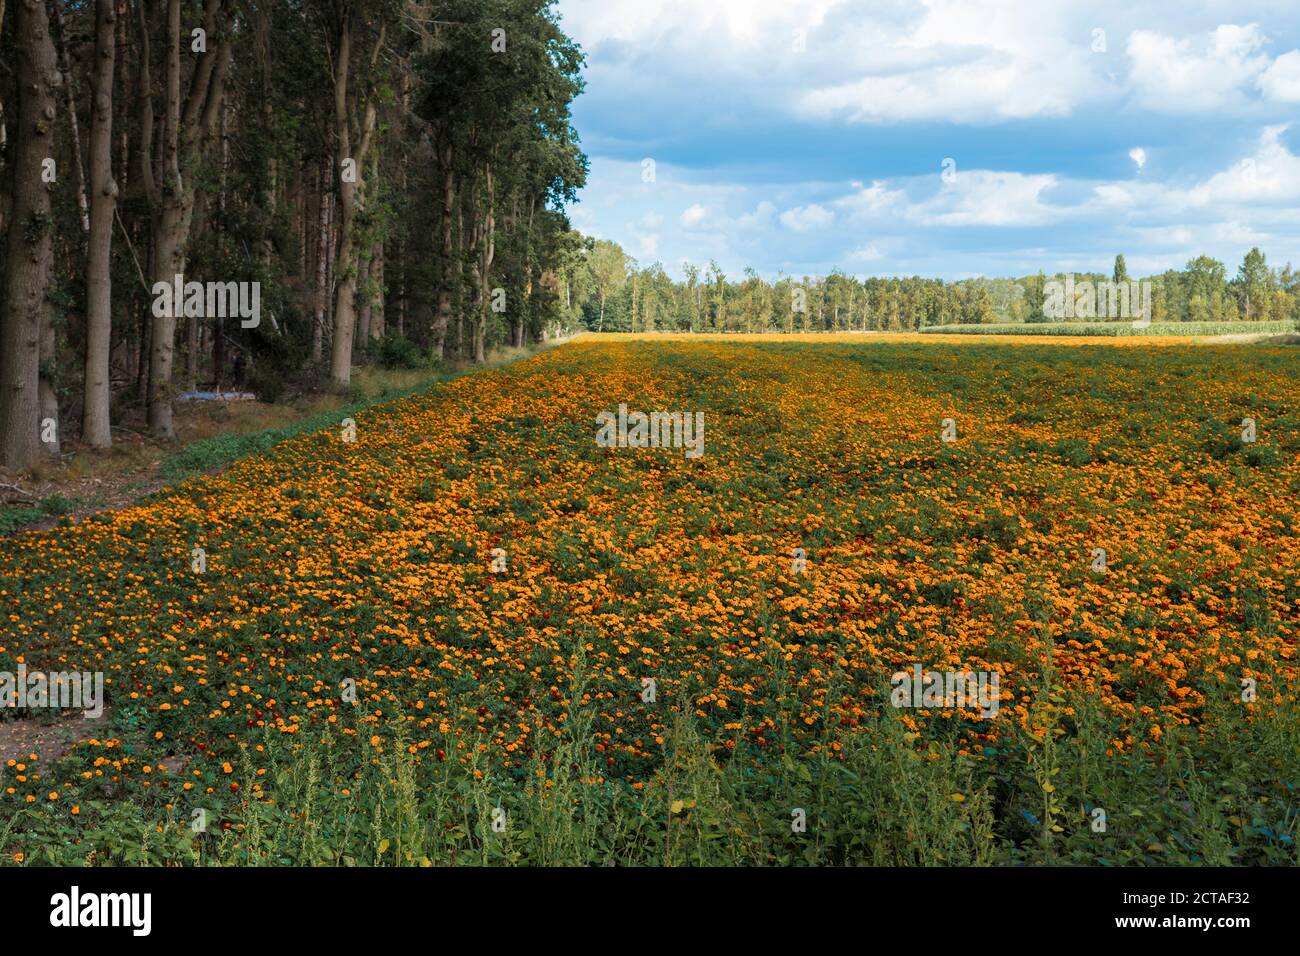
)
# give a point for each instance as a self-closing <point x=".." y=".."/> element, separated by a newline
<point x="16" y="516"/>
<point x="218" y="451"/>
<point x="882" y="796"/>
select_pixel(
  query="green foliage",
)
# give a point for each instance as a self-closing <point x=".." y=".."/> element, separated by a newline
<point x="13" y="517"/>
<point x="266" y="383"/>
<point x="394" y="351"/>
<point x="1221" y="794"/>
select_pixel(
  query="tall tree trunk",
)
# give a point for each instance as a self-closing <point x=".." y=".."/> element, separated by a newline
<point x="48" y="398"/>
<point x="534" y="279"/>
<point x="4" y="134"/>
<point x="262" y="25"/>
<point x="363" y="310"/>
<point x="95" y="427"/>
<point x="323" y="217"/>
<point x="123" y="99"/>
<point x="351" y="200"/>
<point x="370" y="319"/>
<point x="488" y="243"/>
<point x="450" y="267"/>
<point x="28" y="252"/>
<point x="74" y="127"/>
<point x="379" y="318"/>
<point x="143" y="352"/>
<point x="460" y="292"/>
<point x="186" y="126"/>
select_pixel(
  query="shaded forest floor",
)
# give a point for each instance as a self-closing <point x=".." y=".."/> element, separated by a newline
<point x="210" y="435"/>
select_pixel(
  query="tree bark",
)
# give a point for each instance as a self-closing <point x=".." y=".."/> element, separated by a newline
<point x="4" y="126"/>
<point x="262" y="25"/>
<point x="123" y="100"/>
<point x="486" y="243"/>
<point x="47" y="397"/>
<point x="185" y="128"/>
<point x="74" y="126"/>
<point x="96" y="430"/>
<point x="450" y="261"/>
<point x="351" y="201"/>
<point x="28" y="255"/>
<point x="323" y="216"/>
<point x="379" y="321"/>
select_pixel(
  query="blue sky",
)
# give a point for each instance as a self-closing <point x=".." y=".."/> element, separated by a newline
<point x="799" y="136"/>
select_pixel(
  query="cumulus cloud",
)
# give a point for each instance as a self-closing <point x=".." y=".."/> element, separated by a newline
<point x="693" y="216"/>
<point x="963" y="61"/>
<point x="1194" y="74"/>
<point x="761" y="216"/>
<point x="871" y="202"/>
<point x="804" y="218"/>
<point x="988" y="198"/>
<point x="867" y="253"/>
<point x="732" y="23"/>
<point x="978" y="197"/>
<point x="1270" y="174"/>
<point x="960" y="61"/>
<point x="1267" y="176"/>
<point x="1281" y="81"/>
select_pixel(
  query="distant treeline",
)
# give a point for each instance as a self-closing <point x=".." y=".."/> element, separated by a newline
<point x="605" y="289"/>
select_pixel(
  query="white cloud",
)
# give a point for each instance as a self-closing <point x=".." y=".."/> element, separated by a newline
<point x="1281" y="81"/>
<point x="693" y="216"/>
<point x="1178" y="236"/>
<point x="804" y="218"/>
<point x="986" y="198"/>
<point x="1267" y="177"/>
<point x="1192" y="240"/>
<point x="960" y="61"/>
<point x="963" y="61"/>
<point x="977" y="197"/>
<point x="1238" y="233"/>
<point x="761" y="216"/>
<point x="1138" y="155"/>
<point x="1180" y="75"/>
<point x="1270" y="174"/>
<point x="871" y="202"/>
<point x="729" y="23"/>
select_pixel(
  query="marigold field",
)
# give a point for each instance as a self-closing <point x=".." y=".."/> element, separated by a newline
<point x="348" y="681"/>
